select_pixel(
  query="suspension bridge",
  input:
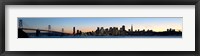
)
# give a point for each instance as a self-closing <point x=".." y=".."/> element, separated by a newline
<point x="38" y="31"/>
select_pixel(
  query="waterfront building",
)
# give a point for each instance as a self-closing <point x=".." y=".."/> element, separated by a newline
<point x="131" y="28"/>
<point x="102" y="31"/>
<point x="97" y="29"/>
<point x="123" y="28"/>
<point x="74" y="31"/>
<point x="77" y="32"/>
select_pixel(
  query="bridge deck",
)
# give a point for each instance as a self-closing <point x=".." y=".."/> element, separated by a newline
<point x="39" y="30"/>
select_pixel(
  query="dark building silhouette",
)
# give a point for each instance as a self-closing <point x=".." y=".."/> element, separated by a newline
<point x="97" y="31"/>
<point x="74" y="31"/>
<point x="123" y="28"/>
<point x="77" y="32"/>
<point x="131" y="28"/>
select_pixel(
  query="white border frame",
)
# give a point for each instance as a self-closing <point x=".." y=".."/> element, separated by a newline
<point x="187" y="43"/>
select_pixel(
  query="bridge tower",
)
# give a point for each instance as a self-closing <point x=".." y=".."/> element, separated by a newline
<point x="20" y="23"/>
<point x="49" y="27"/>
<point x="49" y="30"/>
<point x="62" y="30"/>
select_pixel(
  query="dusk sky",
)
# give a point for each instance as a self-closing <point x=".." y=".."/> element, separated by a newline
<point x="91" y="23"/>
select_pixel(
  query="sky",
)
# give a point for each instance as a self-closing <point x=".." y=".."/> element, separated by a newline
<point x="86" y="24"/>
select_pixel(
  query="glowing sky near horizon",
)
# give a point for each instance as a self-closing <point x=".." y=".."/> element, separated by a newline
<point x="86" y="24"/>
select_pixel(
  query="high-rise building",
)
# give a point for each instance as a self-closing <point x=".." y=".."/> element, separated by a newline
<point x="110" y="29"/>
<point x="131" y="27"/>
<point x="123" y="28"/>
<point x="74" y="30"/>
<point x="97" y="29"/>
<point x="78" y="31"/>
<point x="102" y="28"/>
<point x="102" y="31"/>
<point x="129" y="30"/>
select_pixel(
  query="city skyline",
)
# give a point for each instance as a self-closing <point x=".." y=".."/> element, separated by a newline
<point x="90" y="24"/>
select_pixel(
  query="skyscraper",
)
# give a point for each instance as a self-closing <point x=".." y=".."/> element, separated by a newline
<point x="123" y="28"/>
<point x="131" y="27"/>
<point x="74" y="30"/>
<point x="97" y="29"/>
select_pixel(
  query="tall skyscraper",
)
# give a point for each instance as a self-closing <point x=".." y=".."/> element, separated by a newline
<point x="74" y="30"/>
<point x="123" y="28"/>
<point x="131" y="27"/>
<point x="97" y="29"/>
